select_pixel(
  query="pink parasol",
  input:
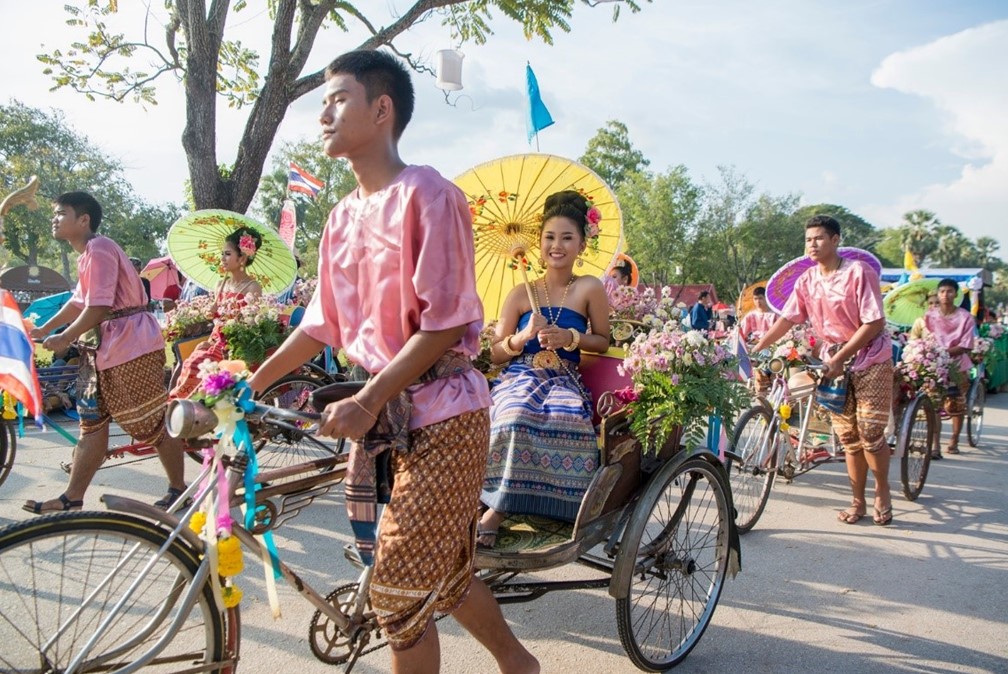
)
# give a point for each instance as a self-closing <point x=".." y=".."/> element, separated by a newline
<point x="782" y="283"/>
<point x="163" y="276"/>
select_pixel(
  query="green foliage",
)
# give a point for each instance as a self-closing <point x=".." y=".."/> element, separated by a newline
<point x="741" y="238"/>
<point x="250" y="341"/>
<point x="857" y="231"/>
<point x="659" y="214"/>
<point x="194" y="46"/>
<point x="612" y="156"/>
<point x="312" y="214"/>
<point x="35" y="142"/>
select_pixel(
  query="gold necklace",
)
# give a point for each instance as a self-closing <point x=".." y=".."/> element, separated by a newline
<point x="547" y="358"/>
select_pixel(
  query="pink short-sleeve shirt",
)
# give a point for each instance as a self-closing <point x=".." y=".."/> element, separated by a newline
<point x="837" y="305"/>
<point x="956" y="329"/>
<point x="756" y="323"/>
<point x="393" y="263"/>
<point x="106" y="278"/>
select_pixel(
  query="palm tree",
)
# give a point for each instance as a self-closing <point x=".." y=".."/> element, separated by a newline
<point x="918" y="234"/>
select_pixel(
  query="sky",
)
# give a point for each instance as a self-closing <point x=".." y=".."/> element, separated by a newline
<point x="881" y="106"/>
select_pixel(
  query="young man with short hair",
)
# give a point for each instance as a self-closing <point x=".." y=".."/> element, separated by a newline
<point x="397" y="292"/>
<point x="954" y="328"/>
<point x="843" y="301"/>
<point x="700" y="314"/>
<point x="122" y="363"/>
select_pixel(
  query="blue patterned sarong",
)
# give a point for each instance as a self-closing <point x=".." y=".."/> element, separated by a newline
<point x="543" y="448"/>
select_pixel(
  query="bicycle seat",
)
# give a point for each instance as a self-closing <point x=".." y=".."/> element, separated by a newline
<point x="331" y="393"/>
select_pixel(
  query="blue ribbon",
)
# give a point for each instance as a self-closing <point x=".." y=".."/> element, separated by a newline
<point x="242" y="438"/>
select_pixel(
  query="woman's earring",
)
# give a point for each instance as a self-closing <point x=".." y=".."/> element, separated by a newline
<point x="580" y="262"/>
<point x="542" y="262"/>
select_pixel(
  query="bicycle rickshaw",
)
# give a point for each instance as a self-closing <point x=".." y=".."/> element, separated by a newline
<point x="134" y="588"/>
<point x="785" y="433"/>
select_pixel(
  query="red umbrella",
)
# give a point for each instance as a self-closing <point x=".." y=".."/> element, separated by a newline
<point x="720" y="306"/>
<point x="163" y="276"/>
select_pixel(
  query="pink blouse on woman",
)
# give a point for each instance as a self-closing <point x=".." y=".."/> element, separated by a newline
<point x="393" y="263"/>
<point x="837" y="305"/>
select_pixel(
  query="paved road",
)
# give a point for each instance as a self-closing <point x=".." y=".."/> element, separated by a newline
<point x="927" y="594"/>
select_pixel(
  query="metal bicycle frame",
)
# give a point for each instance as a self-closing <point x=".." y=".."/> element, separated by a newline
<point x="199" y="489"/>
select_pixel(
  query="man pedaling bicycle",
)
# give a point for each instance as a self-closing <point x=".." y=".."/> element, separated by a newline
<point x="954" y="328"/>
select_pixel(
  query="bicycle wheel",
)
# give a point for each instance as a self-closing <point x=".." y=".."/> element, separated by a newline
<point x="751" y="475"/>
<point x="281" y="446"/>
<point x="975" y="401"/>
<point x="917" y="436"/>
<point x="8" y="450"/>
<point x="676" y="546"/>
<point x="60" y="578"/>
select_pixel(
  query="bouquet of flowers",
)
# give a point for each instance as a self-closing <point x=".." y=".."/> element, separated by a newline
<point x="924" y="366"/>
<point x="189" y="318"/>
<point x="992" y="330"/>
<point x="796" y="347"/>
<point x="303" y="290"/>
<point x="251" y="327"/>
<point x="218" y="380"/>
<point x="639" y="311"/>
<point x="981" y="349"/>
<point x="679" y="380"/>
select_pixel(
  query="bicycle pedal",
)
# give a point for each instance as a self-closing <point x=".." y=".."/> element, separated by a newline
<point x="352" y="556"/>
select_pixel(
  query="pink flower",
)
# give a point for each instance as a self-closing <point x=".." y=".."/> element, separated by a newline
<point x="217" y="383"/>
<point x="593" y="230"/>
<point x="594" y="216"/>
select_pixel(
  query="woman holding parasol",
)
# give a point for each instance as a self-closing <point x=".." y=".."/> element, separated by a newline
<point x="540" y="406"/>
<point x="236" y="288"/>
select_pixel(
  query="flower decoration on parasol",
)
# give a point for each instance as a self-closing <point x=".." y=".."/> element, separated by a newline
<point x="195" y="242"/>
<point x="906" y="303"/>
<point x="506" y="198"/>
<point x="163" y="275"/>
<point x="782" y="283"/>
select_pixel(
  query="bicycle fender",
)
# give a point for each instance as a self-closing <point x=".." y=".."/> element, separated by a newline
<point x="129" y="506"/>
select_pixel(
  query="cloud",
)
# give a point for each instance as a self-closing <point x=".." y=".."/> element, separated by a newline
<point x="964" y="76"/>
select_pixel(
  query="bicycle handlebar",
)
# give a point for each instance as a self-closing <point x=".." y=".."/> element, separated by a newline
<point x="189" y="419"/>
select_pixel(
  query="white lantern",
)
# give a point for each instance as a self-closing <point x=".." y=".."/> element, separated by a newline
<point x="449" y="69"/>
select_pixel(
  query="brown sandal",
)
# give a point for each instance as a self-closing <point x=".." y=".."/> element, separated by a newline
<point x="883" y="518"/>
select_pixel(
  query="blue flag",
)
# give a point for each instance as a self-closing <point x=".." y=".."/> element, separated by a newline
<point x="539" y="117"/>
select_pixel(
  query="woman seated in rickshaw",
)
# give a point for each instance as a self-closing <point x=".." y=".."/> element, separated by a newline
<point x="543" y="448"/>
<point x="237" y="286"/>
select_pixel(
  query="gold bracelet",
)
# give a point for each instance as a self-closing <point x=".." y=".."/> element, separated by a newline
<point x="366" y="410"/>
<point x="506" y="346"/>
<point x="576" y="339"/>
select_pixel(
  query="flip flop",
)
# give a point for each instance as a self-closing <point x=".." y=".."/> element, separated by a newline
<point x="883" y="518"/>
<point x="952" y="449"/>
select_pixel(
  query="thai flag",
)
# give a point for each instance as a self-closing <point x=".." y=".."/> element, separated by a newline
<point x="301" y="181"/>
<point x="17" y="358"/>
<point x="740" y="351"/>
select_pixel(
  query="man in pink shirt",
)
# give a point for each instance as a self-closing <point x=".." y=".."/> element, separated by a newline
<point x="843" y="301"/>
<point x="758" y="321"/>
<point x="954" y="329"/>
<point x="122" y="379"/>
<point x="754" y="325"/>
<point x="397" y="292"/>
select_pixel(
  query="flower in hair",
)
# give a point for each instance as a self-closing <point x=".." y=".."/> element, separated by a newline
<point x="247" y="245"/>
<point x="593" y="216"/>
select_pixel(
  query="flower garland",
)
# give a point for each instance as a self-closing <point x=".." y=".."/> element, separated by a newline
<point x="224" y="390"/>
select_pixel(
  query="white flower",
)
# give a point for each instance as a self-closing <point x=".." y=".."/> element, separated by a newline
<point x="695" y="339"/>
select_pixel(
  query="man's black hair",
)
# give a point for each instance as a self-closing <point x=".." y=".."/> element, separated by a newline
<point x="948" y="283"/>
<point x="82" y="203"/>
<point x="380" y="73"/>
<point x="824" y="221"/>
<point x="759" y="291"/>
<point x="703" y="294"/>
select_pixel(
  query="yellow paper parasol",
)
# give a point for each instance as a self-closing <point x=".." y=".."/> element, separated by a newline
<point x="906" y="303"/>
<point x="195" y="242"/>
<point x="506" y="197"/>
